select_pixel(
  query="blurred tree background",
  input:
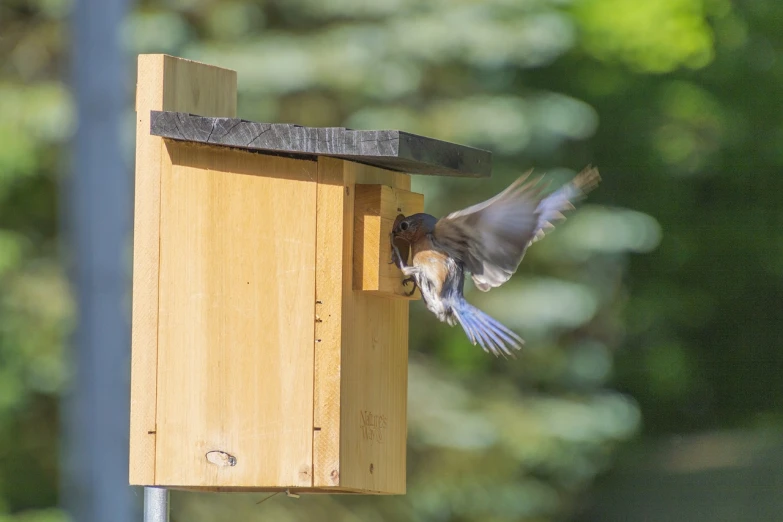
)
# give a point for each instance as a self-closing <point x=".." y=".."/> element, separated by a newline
<point x="651" y="316"/>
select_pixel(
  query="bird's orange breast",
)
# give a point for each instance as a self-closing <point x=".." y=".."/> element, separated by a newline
<point x="431" y="263"/>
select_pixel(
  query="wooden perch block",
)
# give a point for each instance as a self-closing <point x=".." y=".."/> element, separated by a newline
<point x="376" y="207"/>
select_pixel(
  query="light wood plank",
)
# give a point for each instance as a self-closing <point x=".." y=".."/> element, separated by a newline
<point x="373" y="417"/>
<point x="235" y="362"/>
<point x="197" y="88"/>
<point x="164" y="83"/>
<point x="361" y="369"/>
<point x="296" y="490"/>
<point x="332" y="270"/>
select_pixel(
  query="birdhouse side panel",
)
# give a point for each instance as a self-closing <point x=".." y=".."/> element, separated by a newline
<point x="163" y="83"/>
<point x="236" y="319"/>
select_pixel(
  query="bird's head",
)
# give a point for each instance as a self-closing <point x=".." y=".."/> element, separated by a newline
<point x="413" y="227"/>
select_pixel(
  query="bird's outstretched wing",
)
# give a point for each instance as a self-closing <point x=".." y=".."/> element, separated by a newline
<point x="491" y="237"/>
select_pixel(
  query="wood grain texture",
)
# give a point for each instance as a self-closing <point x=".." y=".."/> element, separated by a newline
<point x="373" y="416"/>
<point x="331" y="270"/>
<point x="376" y="207"/>
<point x="256" y="365"/>
<point x="296" y="490"/>
<point x="361" y="360"/>
<point x="164" y="83"/>
<point x="388" y="149"/>
<point x="236" y="325"/>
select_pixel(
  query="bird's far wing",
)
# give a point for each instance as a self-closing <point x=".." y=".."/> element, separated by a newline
<point x="491" y="237"/>
<point x="551" y="208"/>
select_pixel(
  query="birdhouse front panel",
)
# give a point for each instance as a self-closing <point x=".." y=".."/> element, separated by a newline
<point x="361" y="358"/>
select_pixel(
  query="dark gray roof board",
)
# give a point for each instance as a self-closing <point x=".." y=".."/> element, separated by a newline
<point x="388" y="149"/>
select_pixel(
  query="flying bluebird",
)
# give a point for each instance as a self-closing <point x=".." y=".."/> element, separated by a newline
<point x="488" y="240"/>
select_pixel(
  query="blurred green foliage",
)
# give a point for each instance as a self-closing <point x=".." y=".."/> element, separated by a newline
<point x="653" y="37"/>
<point x="35" y="123"/>
<point x="676" y="101"/>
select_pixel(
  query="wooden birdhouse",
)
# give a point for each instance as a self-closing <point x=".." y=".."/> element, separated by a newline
<point x="270" y="332"/>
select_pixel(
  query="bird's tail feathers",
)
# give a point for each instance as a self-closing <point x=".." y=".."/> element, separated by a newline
<point x="551" y="208"/>
<point x="485" y="331"/>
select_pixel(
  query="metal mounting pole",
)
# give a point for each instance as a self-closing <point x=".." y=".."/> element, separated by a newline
<point x="97" y="225"/>
<point x="156" y="504"/>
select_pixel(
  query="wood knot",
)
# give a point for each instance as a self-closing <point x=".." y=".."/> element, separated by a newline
<point x="221" y="458"/>
<point x="372" y="468"/>
<point x="335" y="475"/>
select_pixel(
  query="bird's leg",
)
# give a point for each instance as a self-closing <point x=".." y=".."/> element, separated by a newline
<point x="409" y="279"/>
<point x="408" y="271"/>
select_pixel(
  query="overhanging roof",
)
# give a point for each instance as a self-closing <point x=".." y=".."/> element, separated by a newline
<point x="388" y="149"/>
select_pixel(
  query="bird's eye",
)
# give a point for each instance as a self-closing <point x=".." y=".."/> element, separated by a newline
<point x="404" y="226"/>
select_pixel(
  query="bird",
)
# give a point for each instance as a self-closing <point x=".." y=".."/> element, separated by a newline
<point x="488" y="240"/>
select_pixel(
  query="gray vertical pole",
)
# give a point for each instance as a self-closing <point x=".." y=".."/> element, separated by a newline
<point x="156" y="505"/>
<point x="97" y="214"/>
